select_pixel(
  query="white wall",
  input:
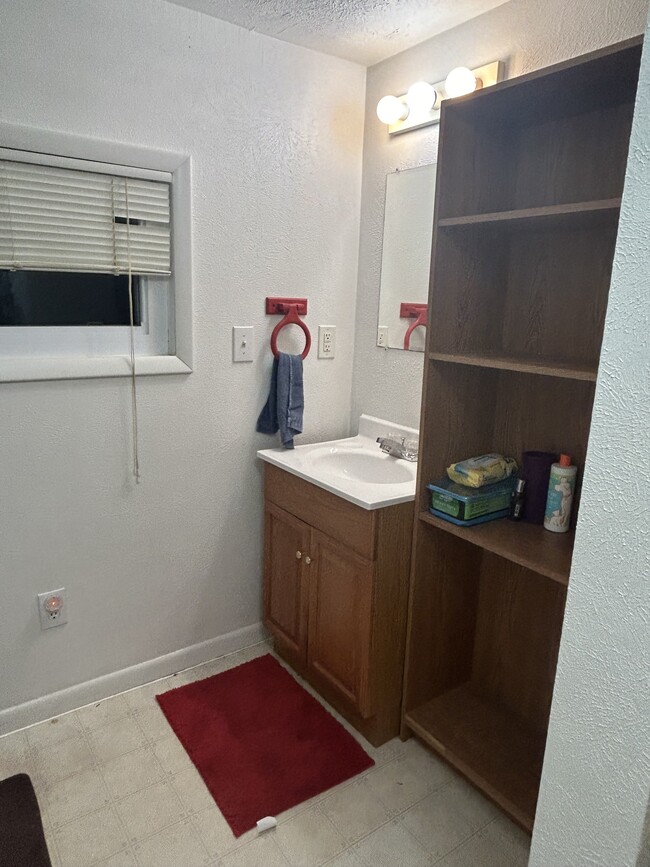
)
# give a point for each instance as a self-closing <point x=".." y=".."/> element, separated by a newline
<point x="274" y="131"/>
<point x="528" y="34"/>
<point x="596" y="782"/>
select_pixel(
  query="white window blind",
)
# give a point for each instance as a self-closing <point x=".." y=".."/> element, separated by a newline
<point x="59" y="219"/>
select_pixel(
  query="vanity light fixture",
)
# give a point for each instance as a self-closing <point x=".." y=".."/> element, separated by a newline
<point x="460" y="81"/>
<point x="422" y="96"/>
<point x="390" y="110"/>
<point x="420" y="106"/>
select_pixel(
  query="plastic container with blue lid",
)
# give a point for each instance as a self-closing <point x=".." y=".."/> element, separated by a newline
<point x="466" y="506"/>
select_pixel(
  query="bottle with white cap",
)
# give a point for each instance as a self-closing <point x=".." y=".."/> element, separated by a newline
<point x="561" y="487"/>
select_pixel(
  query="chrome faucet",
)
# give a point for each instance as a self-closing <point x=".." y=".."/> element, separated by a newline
<point x="399" y="447"/>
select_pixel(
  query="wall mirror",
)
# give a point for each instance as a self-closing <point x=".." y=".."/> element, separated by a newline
<point x="406" y="256"/>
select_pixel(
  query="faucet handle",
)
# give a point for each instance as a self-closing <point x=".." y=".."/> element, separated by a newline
<point x="411" y="449"/>
<point x="399" y="446"/>
<point x="386" y="443"/>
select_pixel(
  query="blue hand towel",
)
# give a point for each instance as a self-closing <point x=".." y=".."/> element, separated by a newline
<point x="284" y="407"/>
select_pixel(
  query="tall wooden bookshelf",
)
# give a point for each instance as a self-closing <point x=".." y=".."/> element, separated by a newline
<point x="530" y="177"/>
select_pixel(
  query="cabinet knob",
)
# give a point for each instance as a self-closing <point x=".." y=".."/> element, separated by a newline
<point x="308" y="560"/>
<point x="298" y="555"/>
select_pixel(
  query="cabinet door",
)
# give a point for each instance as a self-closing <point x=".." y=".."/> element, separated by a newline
<point x="286" y="600"/>
<point x="340" y="620"/>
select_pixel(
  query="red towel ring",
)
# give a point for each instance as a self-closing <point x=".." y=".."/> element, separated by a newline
<point x="417" y="312"/>
<point x="292" y="308"/>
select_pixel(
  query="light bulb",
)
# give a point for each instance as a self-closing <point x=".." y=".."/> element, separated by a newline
<point x="421" y="97"/>
<point x="390" y="109"/>
<point x="460" y="81"/>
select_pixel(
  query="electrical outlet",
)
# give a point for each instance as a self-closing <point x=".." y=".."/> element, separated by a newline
<point x="242" y="343"/>
<point x="326" y="341"/>
<point x="382" y="336"/>
<point x="52" y="608"/>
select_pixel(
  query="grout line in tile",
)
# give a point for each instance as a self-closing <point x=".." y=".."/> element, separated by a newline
<point x="37" y="781"/>
<point x="113" y="803"/>
<point x="238" y="842"/>
<point x="184" y="817"/>
<point x="184" y="820"/>
<point x="110" y="857"/>
<point x="338" y="855"/>
<point x="287" y="861"/>
<point x="466" y="840"/>
<point x="188" y="813"/>
<point x="331" y="823"/>
<point x="84" y="733"/>
<point x="317" y="800"/>
<point x="69" y="713"/>
<point x="95" y="765"/>
<point x="397" y="817"/>
<point x="141" y="728"/>
<point x="107" y="794"/>
<point x="91" y="813"/>
<point x="180" y="821"/>
<point x="383" y="824"/>
<point x="164" y="778"/>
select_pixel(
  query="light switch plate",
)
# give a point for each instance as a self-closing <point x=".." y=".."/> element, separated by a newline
<point x="326" y="341"/>
<point x="242" y="343"/>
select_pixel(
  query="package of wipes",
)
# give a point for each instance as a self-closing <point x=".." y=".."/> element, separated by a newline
<point x="482" y="470"/>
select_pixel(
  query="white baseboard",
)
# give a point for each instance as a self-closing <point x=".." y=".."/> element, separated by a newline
<point x="64" y="700"/>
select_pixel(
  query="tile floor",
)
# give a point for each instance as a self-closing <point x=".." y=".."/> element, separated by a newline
<point x="117" y="789"/>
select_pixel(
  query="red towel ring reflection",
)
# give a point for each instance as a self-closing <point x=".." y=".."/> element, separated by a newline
<point x="418" y="312"/>
<point x="293" y="309"/>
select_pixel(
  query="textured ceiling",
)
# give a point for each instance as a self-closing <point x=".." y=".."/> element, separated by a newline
<point x="365" y="31"/>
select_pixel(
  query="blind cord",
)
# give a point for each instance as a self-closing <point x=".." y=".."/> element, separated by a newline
<point x="5" y="188"/>
<point x="134" y="396"/>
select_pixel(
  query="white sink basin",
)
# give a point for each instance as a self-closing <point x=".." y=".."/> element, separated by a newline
<point x="354" y="468"/>
<point x="374" y="468"/>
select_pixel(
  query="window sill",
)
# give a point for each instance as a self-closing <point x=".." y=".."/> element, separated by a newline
<point x="36" y="369"/>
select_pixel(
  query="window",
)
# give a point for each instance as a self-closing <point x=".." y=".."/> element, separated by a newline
<point x="71" y="230"/>
<point x="55" y="298"/>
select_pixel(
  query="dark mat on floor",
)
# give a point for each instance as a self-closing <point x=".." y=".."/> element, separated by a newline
<point x="22" y="841"/>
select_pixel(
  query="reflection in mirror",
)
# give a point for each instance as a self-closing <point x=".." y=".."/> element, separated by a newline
<point x="406" y="254"/>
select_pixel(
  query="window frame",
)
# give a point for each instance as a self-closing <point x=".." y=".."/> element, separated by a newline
<point x="83" y="360"/>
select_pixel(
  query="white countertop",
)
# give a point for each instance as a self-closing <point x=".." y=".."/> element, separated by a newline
<point x="353" y="468"/>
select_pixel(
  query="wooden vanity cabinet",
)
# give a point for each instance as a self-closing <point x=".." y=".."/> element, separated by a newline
<point x="335" y="597"/>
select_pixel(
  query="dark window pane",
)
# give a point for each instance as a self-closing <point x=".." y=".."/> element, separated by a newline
<point x="51" y="298"/>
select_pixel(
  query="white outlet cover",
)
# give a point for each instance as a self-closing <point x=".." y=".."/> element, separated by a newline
<point x="326" y="341"/>
<point x="382" y="336"/>
<point x="57" y="618"/>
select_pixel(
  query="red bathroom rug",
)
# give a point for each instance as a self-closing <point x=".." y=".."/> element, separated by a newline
<point x="261" y="743"/>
